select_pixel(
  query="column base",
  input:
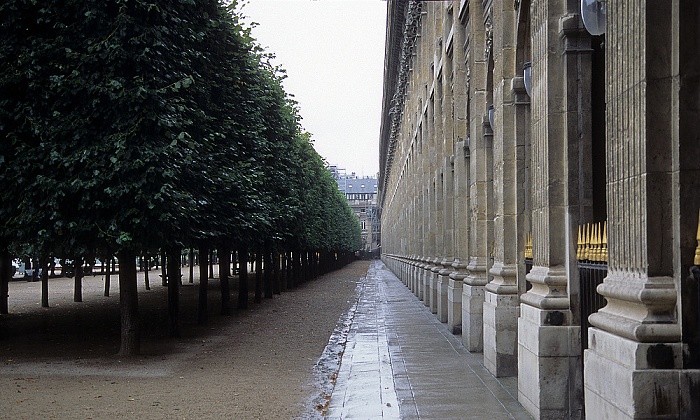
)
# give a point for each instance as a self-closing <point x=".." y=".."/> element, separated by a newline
<point x="501" y="334"/>
<point x="454" y="303"/>
<point x="472" y="317"/>
<point x="549" y="365"/>
<point x="442" y="299"/>
<point x="623" y="379"/>
<point x="433" y="287"/>
<point x="424" y="284"/>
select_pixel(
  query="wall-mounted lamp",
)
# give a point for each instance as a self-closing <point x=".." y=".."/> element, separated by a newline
<point x="491" y="112"/>
<point x="594" y="16"/>
<point x="527" y="77"/>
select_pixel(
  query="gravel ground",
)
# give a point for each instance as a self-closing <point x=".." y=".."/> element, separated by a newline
<point x="60" y="362"/>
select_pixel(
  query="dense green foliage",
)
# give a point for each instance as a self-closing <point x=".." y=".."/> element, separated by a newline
<point x="127" y="124"/>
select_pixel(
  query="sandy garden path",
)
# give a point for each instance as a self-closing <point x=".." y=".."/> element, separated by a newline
<point x="60" y="362"/>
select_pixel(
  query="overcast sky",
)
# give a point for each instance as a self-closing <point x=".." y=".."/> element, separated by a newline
<point x="333" y="52"/>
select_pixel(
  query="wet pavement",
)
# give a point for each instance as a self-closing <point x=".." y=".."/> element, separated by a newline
<point x="400" y="362"/>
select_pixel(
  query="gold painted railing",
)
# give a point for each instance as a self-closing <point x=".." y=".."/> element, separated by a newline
<point x="593" y="242"/>
<point x="528" y="246"/>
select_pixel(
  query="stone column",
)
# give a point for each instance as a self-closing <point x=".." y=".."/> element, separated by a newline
<point x="435" y="187"/>
<point x="480" y="134"/>
<point x="448" y="239"/>
<point x="459" y="273"/>
<point x="456" y="44"/>
<point x="501" y="294"/>
<point x="448" y="138"/>
<point x="636" y="337"/>
<point x="549" y="346"/>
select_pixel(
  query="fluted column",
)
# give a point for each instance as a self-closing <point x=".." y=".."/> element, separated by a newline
<point x="637" y="335"/>
<point x="461" y="171"/>
<point x="479" y="166"/>
<point x="448" y="141"/>
<point x="548" y="329"/>
<point x="501" y="295"/>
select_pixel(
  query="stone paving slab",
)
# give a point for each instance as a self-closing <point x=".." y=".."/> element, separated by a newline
<point x="400" y="362"/>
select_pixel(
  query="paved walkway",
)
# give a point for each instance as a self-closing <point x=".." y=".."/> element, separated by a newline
<point x="400" y="362"/>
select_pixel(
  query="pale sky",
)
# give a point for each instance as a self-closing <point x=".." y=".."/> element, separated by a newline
<point x="333" y="52"/>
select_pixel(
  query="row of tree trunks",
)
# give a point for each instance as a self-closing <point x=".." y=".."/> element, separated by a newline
<point x="279" y="272"/>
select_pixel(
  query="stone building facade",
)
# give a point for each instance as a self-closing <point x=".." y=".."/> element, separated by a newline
<point x="529" y="169"/>
<point x="361" y="193"/>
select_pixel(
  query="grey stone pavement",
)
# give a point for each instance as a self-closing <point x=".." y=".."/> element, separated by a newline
<point x="400" y="362"/>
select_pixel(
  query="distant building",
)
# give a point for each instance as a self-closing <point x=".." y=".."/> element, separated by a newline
<point x="361" y="193"/>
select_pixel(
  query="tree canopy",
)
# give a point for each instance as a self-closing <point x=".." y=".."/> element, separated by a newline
<point x="128" y="124"/>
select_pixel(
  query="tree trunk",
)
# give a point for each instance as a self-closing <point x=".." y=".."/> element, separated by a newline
<point x="78" y="281"/>
<point x="45" y="283"/>
<point x="296" y="266"/>
<point x="304" y="267"/>
<point x="163" y="269"/>
<point x="202" y="315"/>
<point x="258" y="274"/>
<point x="5" y="275"/>
<point x="211" y="263"/>
<point x="146" y="269"/>
<point x="129" y="305"/>
<point x="107" y="274"/>
<point x="224" y="274"/>
<point x="242" y="277"/>
<point x="268" y="273"/>
<point x="290" y="270"/>
<point x="281" y="277"/>
<point x="173" y="263"/>
<point x="191" y="260"/>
